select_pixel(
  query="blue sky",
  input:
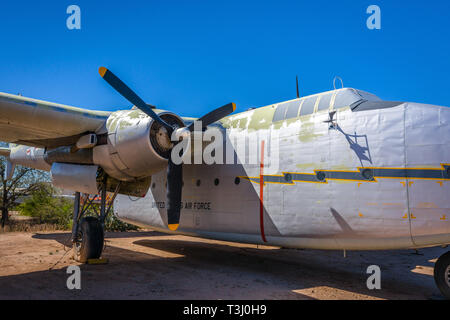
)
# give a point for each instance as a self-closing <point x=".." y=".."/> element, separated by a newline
<point x="192" y="56"/>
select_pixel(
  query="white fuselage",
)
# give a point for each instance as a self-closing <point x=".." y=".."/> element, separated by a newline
<point x="316" y="193"/>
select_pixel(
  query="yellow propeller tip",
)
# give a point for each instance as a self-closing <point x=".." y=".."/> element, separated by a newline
<point x="174" y="226"/>
<point x="102" y="71"/>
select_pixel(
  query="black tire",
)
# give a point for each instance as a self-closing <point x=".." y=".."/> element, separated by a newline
<point x="442" y="274"/>
<point x="90" y="240"/>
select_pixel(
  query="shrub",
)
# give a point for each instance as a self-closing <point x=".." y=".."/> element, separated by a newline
<point x="44" y="204"/>
<point x="114" y="224"/>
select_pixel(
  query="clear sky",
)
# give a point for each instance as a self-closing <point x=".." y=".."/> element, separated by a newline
<point x="192" y="56"/>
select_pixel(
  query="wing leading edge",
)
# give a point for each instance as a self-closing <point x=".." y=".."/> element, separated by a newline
<point x="45" y="124"/>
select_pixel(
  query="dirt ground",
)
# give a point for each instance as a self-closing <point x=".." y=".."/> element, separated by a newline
<point x="151" y="265"/>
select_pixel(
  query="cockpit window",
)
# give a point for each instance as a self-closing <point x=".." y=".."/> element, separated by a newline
<point x="280" y="112"/>
<point x="357" y="100"/>
<point x="308" y="106"/>
<point x="287" y="110"/>
<point x="324" y="103"/>
<point x="368" y="96"/>
<point x="292" y="109"/>
<point x="345" y="98"/>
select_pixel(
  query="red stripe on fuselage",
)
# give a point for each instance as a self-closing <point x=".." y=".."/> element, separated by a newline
<point x="261" y="193"/>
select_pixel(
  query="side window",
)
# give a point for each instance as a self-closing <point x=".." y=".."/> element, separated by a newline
<point x="345" y="98"/>
<point x="308" y="106"/>
<point x="324" y="102"/>
<point x="292" y="109"/>
<point x="280" y="112"/>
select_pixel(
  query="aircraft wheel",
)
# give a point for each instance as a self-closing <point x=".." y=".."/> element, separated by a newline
<point x="90" y="240"/>
<point x="442" y="274"/>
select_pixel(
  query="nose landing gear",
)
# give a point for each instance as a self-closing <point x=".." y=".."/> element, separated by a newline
<point x="442" y="274"/>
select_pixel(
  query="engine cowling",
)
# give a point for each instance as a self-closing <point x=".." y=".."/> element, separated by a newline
<point x="31" y="157"/>
<point x="136" y="147"/>
<point x="89" y="178"/>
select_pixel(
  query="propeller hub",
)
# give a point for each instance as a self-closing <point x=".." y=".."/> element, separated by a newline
<point x="160" y="136"/>
<point x="163" y="139"/>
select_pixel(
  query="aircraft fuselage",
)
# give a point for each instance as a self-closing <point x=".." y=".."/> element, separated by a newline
<point x="368" y="180"/>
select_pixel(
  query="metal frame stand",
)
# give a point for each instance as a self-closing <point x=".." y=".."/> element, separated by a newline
<point x="83" y="202"/>
<point x="76" y="212"/>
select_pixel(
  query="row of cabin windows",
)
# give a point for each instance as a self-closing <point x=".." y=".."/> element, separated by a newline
<point x="237" y="180"/>
<point x="303" y="107"/>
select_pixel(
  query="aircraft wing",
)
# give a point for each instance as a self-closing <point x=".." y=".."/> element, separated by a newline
<point x="44" y="124"/>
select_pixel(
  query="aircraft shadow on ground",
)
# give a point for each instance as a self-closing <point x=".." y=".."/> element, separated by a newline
<point x="202" y="270"/>
<point x="64" y="238"/>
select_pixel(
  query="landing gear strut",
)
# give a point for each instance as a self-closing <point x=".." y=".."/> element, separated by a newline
<point x="442" y="274"/>
<point x="88" y="232"/>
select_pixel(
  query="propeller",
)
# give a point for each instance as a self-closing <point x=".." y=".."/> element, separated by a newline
<point x="131" y="96"/>
<point x="174" y="171"/>
<point x="214" y="115"/>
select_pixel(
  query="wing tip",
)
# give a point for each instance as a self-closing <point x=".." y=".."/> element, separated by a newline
<point x="173" y="226"/>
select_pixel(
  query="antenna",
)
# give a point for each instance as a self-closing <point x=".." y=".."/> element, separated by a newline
<point x="334" y="82"/>
<point x="296" y="80"/>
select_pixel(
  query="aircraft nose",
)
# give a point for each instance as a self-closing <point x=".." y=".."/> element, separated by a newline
<point x="427" y="136"/>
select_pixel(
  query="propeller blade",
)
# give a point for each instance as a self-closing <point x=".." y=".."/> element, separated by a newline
<point x="214" y="115"/>
<point x="174" y="189"/>
<point x="131" y="96"/>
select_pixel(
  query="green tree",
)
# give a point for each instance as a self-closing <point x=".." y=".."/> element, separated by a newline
<point x="45" y="204"/>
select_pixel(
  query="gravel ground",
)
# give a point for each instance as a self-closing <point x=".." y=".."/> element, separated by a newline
<point x="151" y="265"/>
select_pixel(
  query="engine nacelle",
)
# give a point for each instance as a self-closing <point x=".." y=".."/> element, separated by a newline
<point x="75" y="177"/>
<point x="30" y="157"/>
<point x="89" y="178"/>
<point x="137" y="146"/>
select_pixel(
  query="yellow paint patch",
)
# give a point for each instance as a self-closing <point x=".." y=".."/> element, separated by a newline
<point x="306" y="165"/>
<point x="403" y="183"/>
<point x="444" y="217"/>
<point x="359" y="184"/>
<point x="393" y="204"/>
<point x="427" y="205"/>
<point x="173" y="227"/>
<point x="360" y="214"/>
<point x="413" y="217"/>
<point x="405" y="216"/>
<point x="411" y="183"/>
<point x="440" y="183"/>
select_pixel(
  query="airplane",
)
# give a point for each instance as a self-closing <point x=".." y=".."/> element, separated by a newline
<point x="338" y="170"/>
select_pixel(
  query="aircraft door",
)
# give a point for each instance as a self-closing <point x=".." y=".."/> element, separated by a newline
<point x="426" y="129"/>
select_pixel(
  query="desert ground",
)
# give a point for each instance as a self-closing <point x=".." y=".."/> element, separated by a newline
<point x="151" y="265"/>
